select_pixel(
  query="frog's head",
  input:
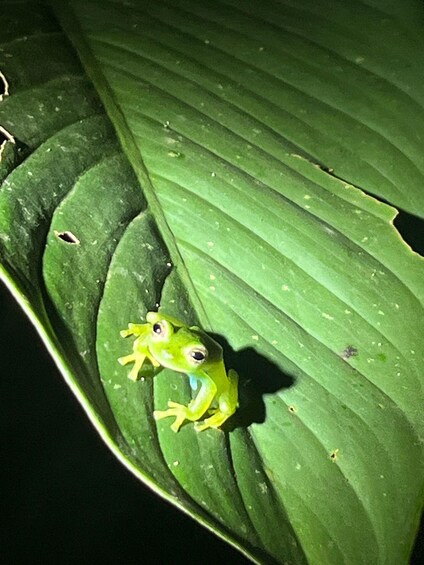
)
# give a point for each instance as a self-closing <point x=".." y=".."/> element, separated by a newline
<point x="179" y="347"/>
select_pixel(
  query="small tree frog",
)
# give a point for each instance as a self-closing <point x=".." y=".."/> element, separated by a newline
<point x="168" y="342"/>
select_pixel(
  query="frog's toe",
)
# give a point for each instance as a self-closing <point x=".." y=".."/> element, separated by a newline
<point x="153" y="361"/>
<point x="138" y="361"/>
<point x="215" y="421"/>
<point x="133" y="374"/>
<point x="179" y="411"/>
<point x="134" y="329"/>
<point x="172" y="404"/>
<point x="200" y="426"/>
<point x="175" y="427"/>
<point x="127" y="359"/>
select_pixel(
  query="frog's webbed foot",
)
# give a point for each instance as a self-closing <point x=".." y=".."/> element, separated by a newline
<point x="180" y="412"/>
<point x="227" y="405"/>
<point x="193" y="411"/>
<point x="138" y="360"/>
<point x="214" y="421"/>
<point x="140" y="350"/>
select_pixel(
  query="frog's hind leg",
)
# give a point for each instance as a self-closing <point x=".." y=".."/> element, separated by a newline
<point x="228" y="402"/>
<point x="195" y="410"/>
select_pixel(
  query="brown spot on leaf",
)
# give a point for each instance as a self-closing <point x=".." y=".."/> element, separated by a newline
<point x="348" y="352"/>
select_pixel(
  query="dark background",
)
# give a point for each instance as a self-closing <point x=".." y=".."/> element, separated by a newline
<point x="64" y="497"/>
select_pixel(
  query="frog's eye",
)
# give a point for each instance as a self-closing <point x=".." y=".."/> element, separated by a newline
<point x="197" y="355"/>
<point x="159" y="330"/>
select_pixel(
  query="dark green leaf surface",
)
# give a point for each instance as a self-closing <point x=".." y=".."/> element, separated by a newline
<point x="225" y="110"/>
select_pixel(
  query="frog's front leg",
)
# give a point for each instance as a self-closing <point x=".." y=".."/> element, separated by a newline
<point x="135" y="329"/>
<point x="140" y="349"/>
<point x="196" y="408"/>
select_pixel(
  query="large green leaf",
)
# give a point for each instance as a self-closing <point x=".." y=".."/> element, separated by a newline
<point x="250" y="127"/>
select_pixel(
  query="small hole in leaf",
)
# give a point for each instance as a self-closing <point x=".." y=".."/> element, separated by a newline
<point x="5" y="137"/>
<point x="334" y="455"/>
<point x="4" y="87"/>
<point x="292" y="409"/>
<point x="67" y="237"/>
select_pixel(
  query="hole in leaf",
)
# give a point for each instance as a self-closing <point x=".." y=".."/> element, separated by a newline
<point x="4" y="87"/>
<point x="5" y="137"/>
<point x="334" y="454"/>
<point x="292" y="409"/>
<point x="67" y="237"/>
<point x="411" y="228"/>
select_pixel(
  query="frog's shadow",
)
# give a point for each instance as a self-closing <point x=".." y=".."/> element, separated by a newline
<point x="257" y="376"/>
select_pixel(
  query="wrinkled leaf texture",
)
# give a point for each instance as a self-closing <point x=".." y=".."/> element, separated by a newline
<point x="257" y="132"/>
